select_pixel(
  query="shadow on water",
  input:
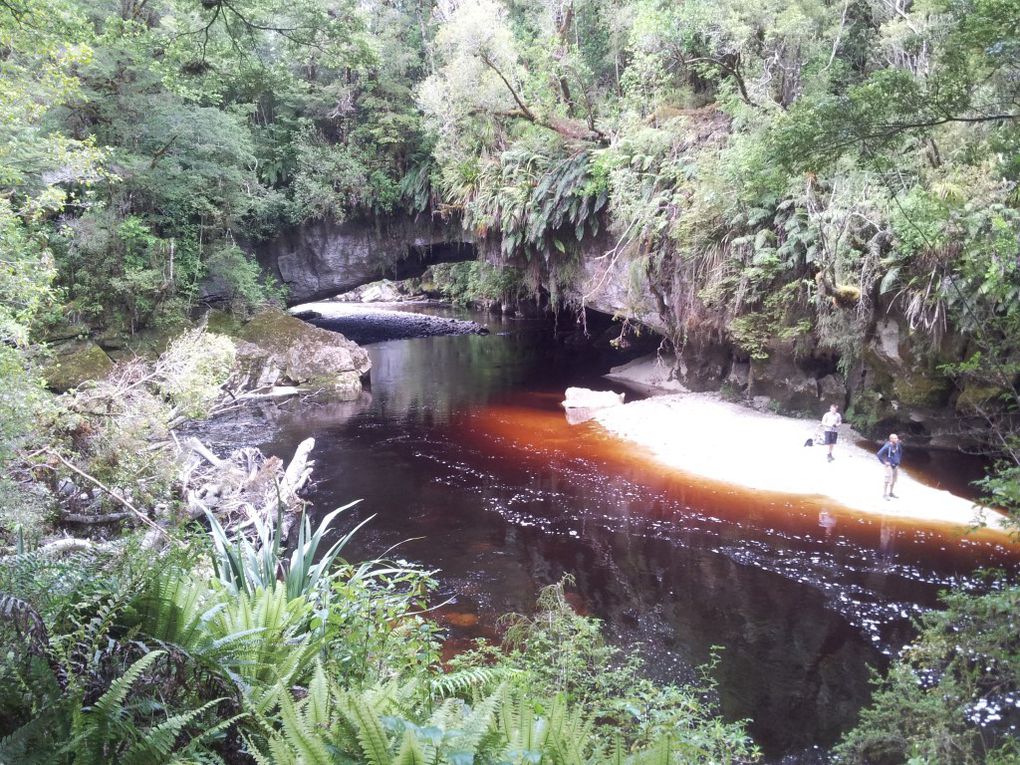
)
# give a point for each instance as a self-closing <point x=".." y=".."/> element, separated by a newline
<point x="461" y="441"/>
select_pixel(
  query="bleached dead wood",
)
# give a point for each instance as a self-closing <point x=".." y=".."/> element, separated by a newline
<point x="245" y="486"/>
<point x="65" y="545"/>
<point x="202" y="450"/>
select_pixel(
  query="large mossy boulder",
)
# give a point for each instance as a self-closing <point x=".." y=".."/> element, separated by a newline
<point x="75" y="365"/>
<point x="278" y="349"/>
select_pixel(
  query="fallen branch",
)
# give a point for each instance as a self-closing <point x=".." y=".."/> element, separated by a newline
<point x="72" y="544"/>
<point x="67" y="545"/>
<point x="203" y="451"/>
<point x="93" y="520"/>
<point x="103" y="487"/>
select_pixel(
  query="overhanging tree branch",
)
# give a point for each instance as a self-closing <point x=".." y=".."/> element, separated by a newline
<point x="732" y="69"/>
<point x="565" y="128"/>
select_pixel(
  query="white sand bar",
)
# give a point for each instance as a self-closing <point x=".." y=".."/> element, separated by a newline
<point x="702" y="434"/>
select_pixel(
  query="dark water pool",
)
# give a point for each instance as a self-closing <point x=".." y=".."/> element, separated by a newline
<point x="462" y="442"/>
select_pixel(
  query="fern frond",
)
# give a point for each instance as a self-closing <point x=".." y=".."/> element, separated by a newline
<point x="454" y="683"/>
<point x="410" y="752"/>
<point x="477" y="724"/>
<point x="371" y="736"/>
<point x="158" y="743"/>
<point x="110" y="704"/>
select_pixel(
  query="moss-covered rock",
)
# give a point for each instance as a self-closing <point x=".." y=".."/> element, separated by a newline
<point x="974" y="398"/>
<point x="280" y="349"/>
<point x="921" y="389"/>
<point x="223" y="323"/>
<point x="77" y="364"/>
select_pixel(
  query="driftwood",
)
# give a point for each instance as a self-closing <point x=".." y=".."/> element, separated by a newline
<point x="241" y="488"/>
<point x="66" y="545"/>
<point x="244" y="487"/>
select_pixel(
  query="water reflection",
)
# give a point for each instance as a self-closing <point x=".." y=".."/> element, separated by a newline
<point x="426" y="380"/>
<point x="463" y="442"/>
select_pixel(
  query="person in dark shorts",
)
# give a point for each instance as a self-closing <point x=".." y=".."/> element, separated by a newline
<point x="831" y="421"/>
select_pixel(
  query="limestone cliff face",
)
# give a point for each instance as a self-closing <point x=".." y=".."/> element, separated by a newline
<point x="895" y="385"/>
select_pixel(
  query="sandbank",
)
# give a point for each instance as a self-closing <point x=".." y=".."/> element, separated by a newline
<point x="702" y="434"/>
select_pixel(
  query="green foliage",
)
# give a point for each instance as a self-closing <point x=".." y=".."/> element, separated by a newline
<point x="540" y="204"/>
<point x="504" y="726"/>
<point x="376" y="626"/>
<point x="559" y="655"/>
<point x="240" y="280"/>
<point x="190" y="373"/>
<point x="478" y="283"/>
<point x="139" y="663"/>
<point x="134" y="663"/>
<point x="950" y="696"/>
<point x="246" y="566"/>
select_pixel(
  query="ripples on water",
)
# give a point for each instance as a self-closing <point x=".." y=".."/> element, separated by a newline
<point x="462" y="442"/>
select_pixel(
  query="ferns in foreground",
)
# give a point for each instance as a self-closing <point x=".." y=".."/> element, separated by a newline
<point x="140" y="664"/>
<point x="505" y="726"/>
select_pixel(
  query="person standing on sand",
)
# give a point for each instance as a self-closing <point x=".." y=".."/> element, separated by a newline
<point x="831" y="421"/>
<point x="890" y="455"/>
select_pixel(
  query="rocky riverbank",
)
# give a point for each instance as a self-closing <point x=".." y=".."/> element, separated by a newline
<point x="379" y="321"/>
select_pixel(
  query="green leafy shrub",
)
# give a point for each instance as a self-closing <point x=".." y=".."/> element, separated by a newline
<point x="951" y="696"/>
<point x="558" y="654"/>
<point x="192" y="370"/>
<point x="241" y="281"/>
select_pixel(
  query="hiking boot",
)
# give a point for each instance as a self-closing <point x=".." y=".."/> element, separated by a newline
<point x="893" y="496"/>
<point x="831" y="458"/>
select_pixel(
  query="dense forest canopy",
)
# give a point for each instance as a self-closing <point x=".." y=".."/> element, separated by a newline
<point x="764" y="167"/>
<point x="769" y="170"/>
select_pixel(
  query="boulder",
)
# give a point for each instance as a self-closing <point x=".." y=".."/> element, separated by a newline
<point x="653" y="371"/>
<point x="832" y="390"/>
<point x="277" y="348"/>
<point x="974" y="399"/>
<point x="704" y="364"/>
<point x="739" y="376"/>
<point x="582" y="404"/>
<point x="793" y="390"/>
<point x="381" y="292"/>
<point x="585" y="398"/>
<point x="75" y="365"/>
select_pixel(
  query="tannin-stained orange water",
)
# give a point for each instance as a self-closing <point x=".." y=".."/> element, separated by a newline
<point x="462" y="448"/>
<point x="533" y="428"/>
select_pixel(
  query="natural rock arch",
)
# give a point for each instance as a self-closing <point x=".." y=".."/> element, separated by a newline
<point x="322" y="258"/>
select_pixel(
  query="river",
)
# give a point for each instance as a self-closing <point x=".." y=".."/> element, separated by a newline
<point x="461" y="447"/>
